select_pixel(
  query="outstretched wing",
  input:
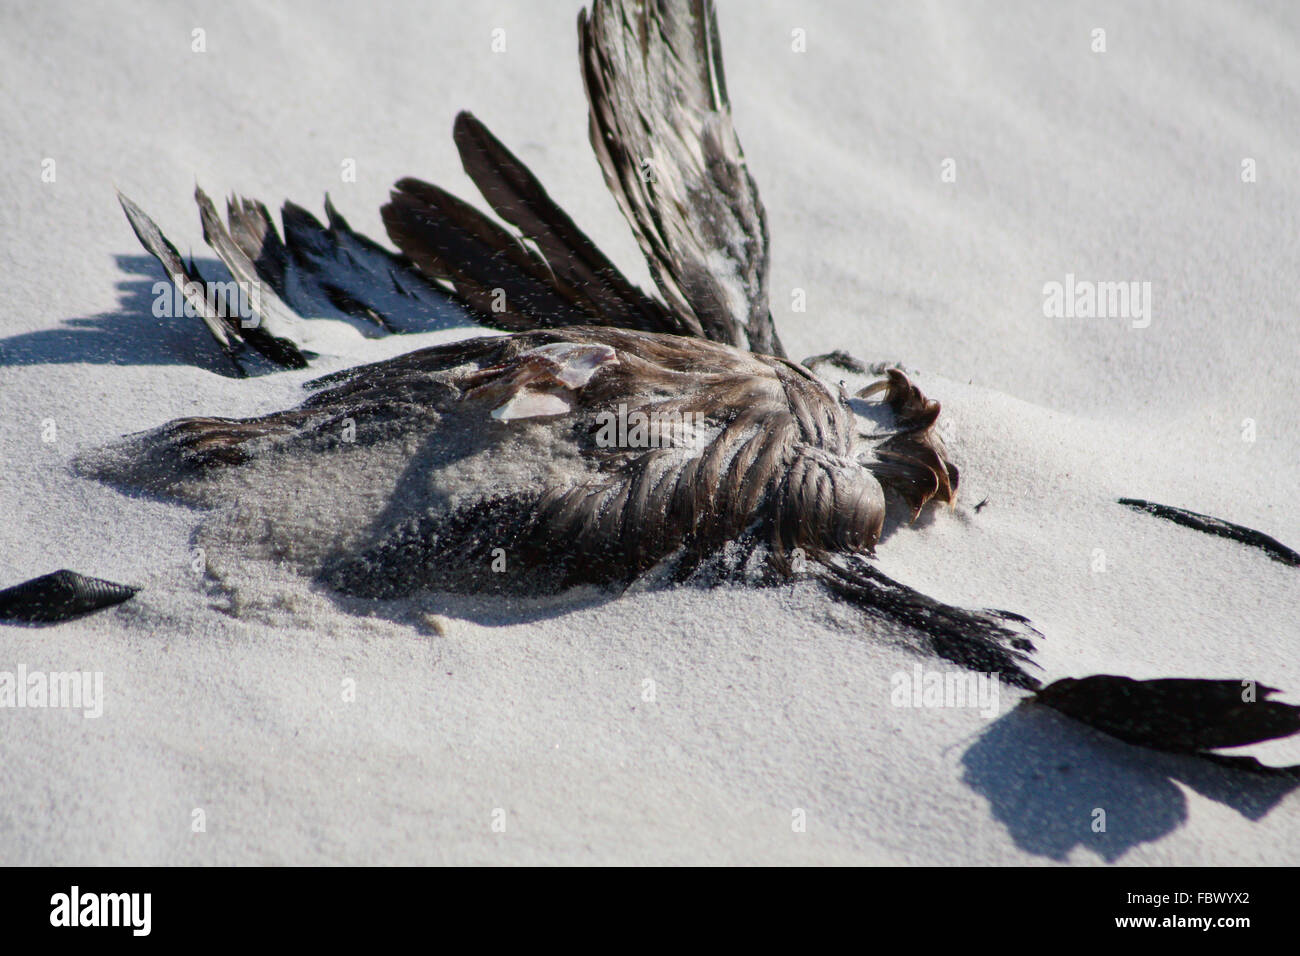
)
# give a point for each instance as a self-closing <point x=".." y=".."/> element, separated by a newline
<point x="233" y="336"/>
<point x="661" y="128"/>
<point x="660" y="123"/>
<point x="593" y="282"/>
<point x="455" y="262"/>
<point x="313" y="272"/>
<point x="332" y="270"/>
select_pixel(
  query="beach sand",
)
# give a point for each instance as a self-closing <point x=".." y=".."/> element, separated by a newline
<point x="687" y="726"/>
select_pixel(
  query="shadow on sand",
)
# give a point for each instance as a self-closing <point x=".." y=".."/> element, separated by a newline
<point x="131" y="335"/>
<point x="1045" y="776"/>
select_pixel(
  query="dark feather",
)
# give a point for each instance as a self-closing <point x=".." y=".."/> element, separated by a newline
<point x="660" y="124"/>
<point x="188" y="280"/>
<point x="1180" y="715"/>
<point x="326" y="270"/>
<point x="516" y="195"/>
<point x="1217" y="526"/>
<point x="995" y="642"/>
<point x="506" y="284"/>
<point x="270" y="331"/>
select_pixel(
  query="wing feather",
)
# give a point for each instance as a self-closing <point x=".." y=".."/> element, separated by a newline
<point x="517" y="196"/>
<point x="660" y="124"/>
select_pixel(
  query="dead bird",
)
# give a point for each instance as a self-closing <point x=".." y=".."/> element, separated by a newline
<point x="728" y="462"/>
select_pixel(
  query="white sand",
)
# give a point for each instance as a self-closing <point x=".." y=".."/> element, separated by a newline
<point x="1116" y="166"/>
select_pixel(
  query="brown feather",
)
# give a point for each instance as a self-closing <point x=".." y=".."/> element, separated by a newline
<point x="660" y="125"/>
<point x="517" y="196"/>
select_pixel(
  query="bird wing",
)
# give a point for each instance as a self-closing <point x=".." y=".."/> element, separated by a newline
<point x="313" y="272"/>
<point x="455" y="263"/>
<point x="232" y="336"/>
<point x="577" y="268"/>
<point x="660" y="124"/>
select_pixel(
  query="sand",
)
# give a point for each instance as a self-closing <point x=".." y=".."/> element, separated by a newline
<point x="689" y="726"/>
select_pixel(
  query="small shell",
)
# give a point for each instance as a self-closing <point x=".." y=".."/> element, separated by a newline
<point x="436" y="624"/>
<point x="60" y="596"/>
<point x="537" y="383"/>
<point x="530" y="403"/>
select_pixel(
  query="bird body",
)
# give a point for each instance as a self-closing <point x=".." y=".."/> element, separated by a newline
<point x="499" y="447"/>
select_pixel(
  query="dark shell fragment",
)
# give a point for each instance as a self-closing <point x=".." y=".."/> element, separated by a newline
<point x="60" y="596"/>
